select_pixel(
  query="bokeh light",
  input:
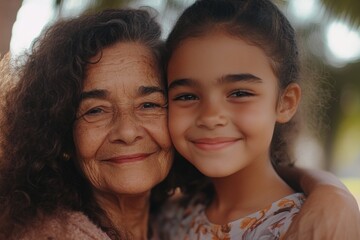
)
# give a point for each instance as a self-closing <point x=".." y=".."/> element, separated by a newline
<point x="31" y="19"/>
<point x="343" y="42"/>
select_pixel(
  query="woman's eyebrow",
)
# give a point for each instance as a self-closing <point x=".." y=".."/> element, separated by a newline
<point x="147" y="90"/>
<point x="247" y="77"/>
<point x="95" y="93"/>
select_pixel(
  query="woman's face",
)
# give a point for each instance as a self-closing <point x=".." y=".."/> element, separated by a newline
<point x="121" y="137"/>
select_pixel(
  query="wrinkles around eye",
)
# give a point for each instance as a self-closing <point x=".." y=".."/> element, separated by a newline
<point x="96" y="114"/>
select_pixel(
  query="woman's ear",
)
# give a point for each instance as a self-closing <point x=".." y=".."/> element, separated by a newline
<point x="288" y="103"/>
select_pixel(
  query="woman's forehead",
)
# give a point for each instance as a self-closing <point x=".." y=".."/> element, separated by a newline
<point x="123" y="54"/>
<point x="123" y="69"/>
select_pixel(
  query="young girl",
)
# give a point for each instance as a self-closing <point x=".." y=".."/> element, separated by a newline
<point x="233" y="85"/>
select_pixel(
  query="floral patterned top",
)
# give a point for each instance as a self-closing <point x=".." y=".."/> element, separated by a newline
<point x="190" y="222"/>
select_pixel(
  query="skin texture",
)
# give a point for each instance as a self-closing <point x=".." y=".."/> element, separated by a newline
<point x="224" y="102"/>
<point x="121" y="133"/>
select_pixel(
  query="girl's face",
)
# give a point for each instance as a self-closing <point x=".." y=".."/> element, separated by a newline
<point x="223" y="104"/>
<point x="121" y="136"/>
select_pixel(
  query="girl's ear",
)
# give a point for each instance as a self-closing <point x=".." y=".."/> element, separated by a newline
<point x="288" y="103"/>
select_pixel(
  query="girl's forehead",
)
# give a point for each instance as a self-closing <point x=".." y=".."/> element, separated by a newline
<point x="220" y="48"/>
<point x="217" y="48"/>
<point x="218" y="40"/>
<point x="217" y="55"/>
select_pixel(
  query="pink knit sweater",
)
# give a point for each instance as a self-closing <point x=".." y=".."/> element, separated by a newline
<point x="64" y="225"/>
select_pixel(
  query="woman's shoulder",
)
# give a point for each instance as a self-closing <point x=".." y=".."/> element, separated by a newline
<point x="175" y="216"/>
<point x="181" y="206"/>
<point x="62" y="224"/>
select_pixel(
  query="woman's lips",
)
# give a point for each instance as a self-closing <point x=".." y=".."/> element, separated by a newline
<point x="129" y="158"/>
<point x="214" y="143"/>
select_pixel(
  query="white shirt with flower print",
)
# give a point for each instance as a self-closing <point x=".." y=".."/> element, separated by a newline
<point x="190" y="222"/>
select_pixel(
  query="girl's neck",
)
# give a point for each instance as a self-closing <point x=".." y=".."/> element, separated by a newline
<point x="247" y="191"/>
<point x="129" y="214"/>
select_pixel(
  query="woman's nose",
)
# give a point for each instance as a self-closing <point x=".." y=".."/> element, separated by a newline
<point x="211" y="115"/>
<point x="126" y="128"/>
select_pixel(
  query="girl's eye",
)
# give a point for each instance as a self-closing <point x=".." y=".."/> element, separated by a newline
<point x="241" y="93"/>
<point x="186" y="97"/>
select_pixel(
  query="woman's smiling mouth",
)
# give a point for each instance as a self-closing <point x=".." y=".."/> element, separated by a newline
<point x="128" y="158"/>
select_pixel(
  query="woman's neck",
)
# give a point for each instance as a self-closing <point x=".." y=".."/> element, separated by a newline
<point x="127" y="213"/>
<point x="245" y="192"/>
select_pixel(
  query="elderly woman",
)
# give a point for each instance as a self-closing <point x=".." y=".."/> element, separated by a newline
<point x="84" y="135"/>
<point x="85" y="131"/>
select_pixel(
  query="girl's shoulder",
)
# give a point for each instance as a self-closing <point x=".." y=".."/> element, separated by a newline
<point x="63" y="224"/>
<point x="271" y="222"/>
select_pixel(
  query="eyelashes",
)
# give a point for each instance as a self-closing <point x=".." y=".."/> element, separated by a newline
<point x="238" y="93"/>
<point x="96" y="114"/>
<point x="94" y="111"/>
<point x="241" y="93"/>
<point x="151" y="105"/>
<point x="185" y="97"/>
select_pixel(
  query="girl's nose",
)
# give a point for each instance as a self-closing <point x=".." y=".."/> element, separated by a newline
<point x="211" y="116"/>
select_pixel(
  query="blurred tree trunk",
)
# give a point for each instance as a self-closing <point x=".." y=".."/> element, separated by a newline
<point x="347" y="77"/>
<point x="99" y="5"/>
<point x="8" y="12"/>
<point x="96" y="5"/>
<point x="349" y="9"/>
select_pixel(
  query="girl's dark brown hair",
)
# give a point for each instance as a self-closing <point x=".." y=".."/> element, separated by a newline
<point x="260" y="23"/>
<point x="40" y="109"/>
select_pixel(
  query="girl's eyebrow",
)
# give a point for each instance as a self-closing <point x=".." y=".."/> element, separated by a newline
<point x="182" y="82"/>
<point x="230" y="78"/>
<point x="239" y="77"/>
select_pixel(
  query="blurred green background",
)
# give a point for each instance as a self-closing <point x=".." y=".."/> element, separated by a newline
<point x="329" y="33"/>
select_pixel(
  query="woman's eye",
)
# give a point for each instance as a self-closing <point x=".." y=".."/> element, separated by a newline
<point x="241" y="93"/>
<point x="97" y="114"/>
<point x="94" y="111"/>
<point x="150" y="105"/>
<point x="186" y="97"/>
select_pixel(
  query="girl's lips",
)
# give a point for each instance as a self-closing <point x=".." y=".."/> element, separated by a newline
<point x="214" y="143"/>
<point x="128" y="158"/>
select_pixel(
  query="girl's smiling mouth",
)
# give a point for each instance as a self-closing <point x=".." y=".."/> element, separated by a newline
<point x="214" y="143"/>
